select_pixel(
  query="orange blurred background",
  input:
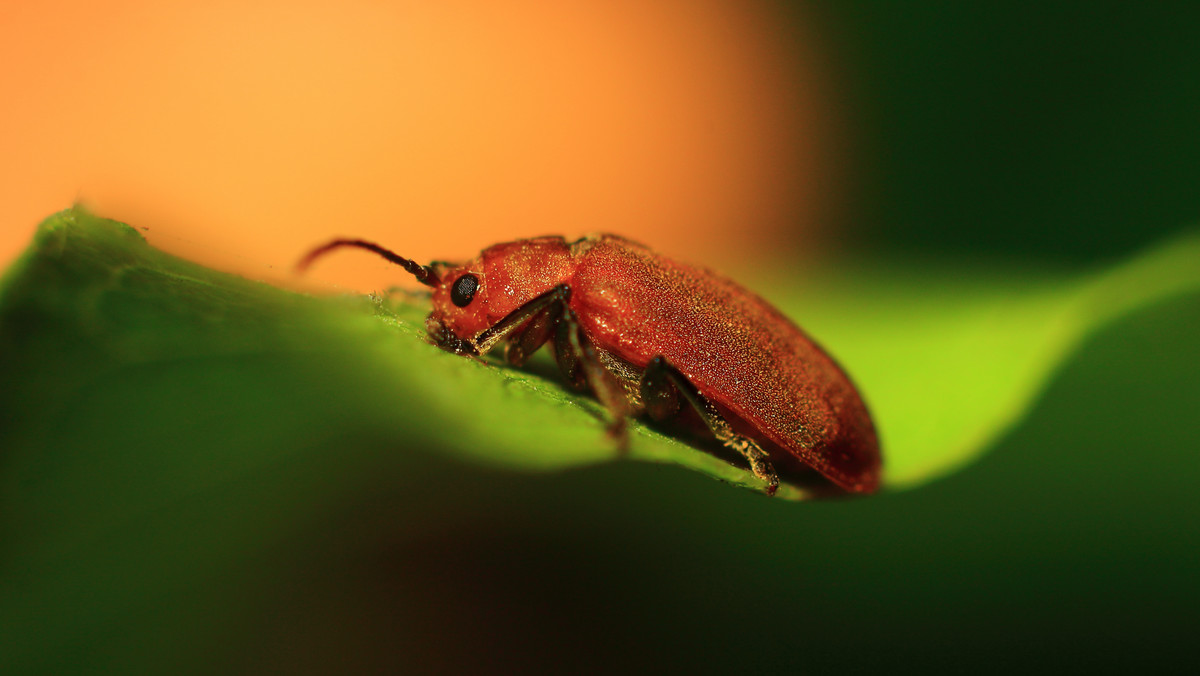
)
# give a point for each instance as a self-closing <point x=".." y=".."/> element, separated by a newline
<point x="242" y="133"/>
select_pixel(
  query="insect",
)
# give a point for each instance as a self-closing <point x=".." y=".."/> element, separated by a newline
<point x="649" y="335"/>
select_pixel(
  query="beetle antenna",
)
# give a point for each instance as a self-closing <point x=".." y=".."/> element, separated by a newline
<point x="423" y="273"/>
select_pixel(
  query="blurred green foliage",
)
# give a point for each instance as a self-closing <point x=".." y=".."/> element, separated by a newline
<point x="1055" y="130"/>
<point x="201" y="471"/>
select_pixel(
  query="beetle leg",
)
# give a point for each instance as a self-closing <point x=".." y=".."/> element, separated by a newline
<point x="567" y="357"/>
<point x="662" y="385"/>
<point x="486" y="340"/>
<point x="530" y="325"/>
<point x="579" y="361"/>
<point x="526" y="340"/>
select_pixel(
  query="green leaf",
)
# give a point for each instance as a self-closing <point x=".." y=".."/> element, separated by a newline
<point x="947" y="359"/>
<point x="169" y="434"/>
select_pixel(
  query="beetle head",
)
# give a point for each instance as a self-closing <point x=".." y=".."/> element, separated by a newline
<point x="463" y="306"/>
<point x="459" y="292"/>
<point x="460" y="305"/>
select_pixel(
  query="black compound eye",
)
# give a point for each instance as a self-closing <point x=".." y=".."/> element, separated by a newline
<point x="464" y="290"/>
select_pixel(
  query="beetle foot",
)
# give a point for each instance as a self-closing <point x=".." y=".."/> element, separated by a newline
<point x="767" y="473"/>
<point x="760" y="464"/>
<point x="618" y="431"/>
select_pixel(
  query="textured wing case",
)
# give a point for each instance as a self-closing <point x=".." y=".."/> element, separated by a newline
<point x="738" y="350"/>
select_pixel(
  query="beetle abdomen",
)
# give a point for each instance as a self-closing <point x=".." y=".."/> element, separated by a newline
<point x="737" y="349"/>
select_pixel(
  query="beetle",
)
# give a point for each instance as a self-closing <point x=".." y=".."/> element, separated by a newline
<point x="647" y="334"/>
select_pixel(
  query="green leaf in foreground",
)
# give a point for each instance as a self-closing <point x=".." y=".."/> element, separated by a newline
<point x="92" y="316"/>
<point x="186" y="457"/>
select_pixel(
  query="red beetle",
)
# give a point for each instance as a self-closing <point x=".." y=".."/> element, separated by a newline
<point x="644" y="332"/>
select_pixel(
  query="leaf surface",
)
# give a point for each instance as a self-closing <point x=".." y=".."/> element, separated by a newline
<point x="947" y="359"/>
